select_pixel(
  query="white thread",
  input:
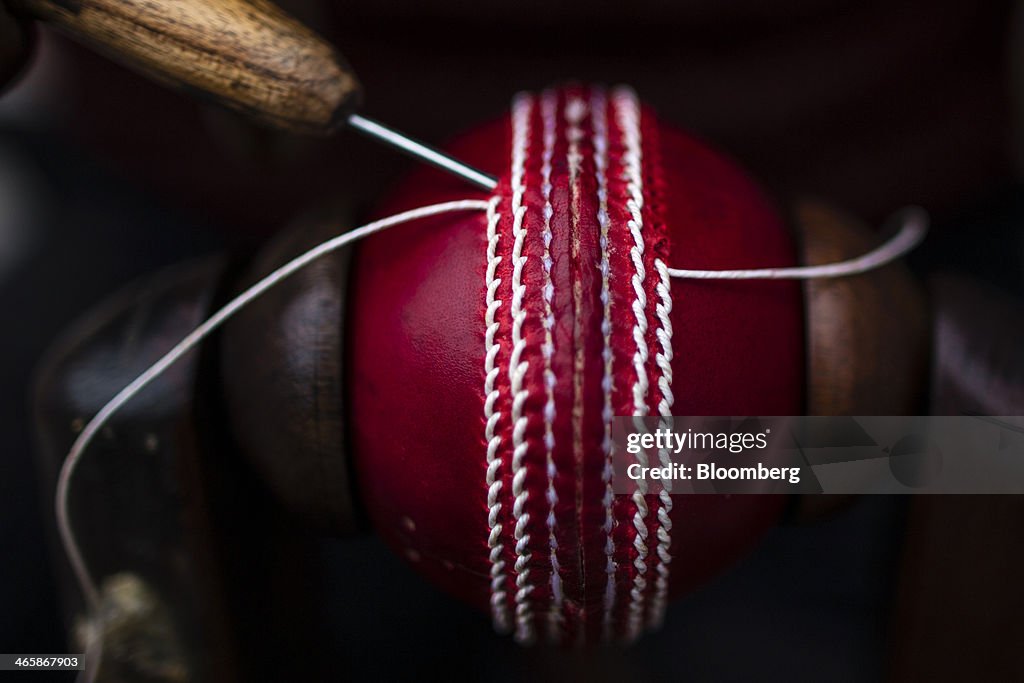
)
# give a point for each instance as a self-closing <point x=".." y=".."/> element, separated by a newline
<point x="598" y="105"/>
<point x="85" y="437"/>
<point x="499" y="609"/>
<point x="636" y="595"/>
<point x="521" y="109"/>
<point x="629" y="121"/>
<point x="548" y="115"/>
<point x="628" y="118"/>
<point x="664" y="361"/>
<point x="914" y="227"/>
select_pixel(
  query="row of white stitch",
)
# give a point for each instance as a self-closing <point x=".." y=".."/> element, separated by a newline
<point x="548" y="115"/>
<point x="664" y="361"/>
<point x="499" y="609"/>
<point x="627" y="111"/>
<point x="518" y="368"/>
<point x="599" y="107"/>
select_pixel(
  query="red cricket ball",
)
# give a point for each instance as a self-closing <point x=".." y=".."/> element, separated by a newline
<point x="489" y="353"/>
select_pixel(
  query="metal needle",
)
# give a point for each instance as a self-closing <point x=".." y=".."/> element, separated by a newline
<point x="421" y="151"/>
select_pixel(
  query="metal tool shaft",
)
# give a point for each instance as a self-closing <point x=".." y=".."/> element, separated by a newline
<point x="268" y="66"/>
<point x="421" y="151"/>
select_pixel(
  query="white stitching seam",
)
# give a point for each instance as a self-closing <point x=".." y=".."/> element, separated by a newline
<point x="599" y="107"/>
<point x="499" y="610"/>
<point x="517" y="371"/>
<point x="628" y="119"/>
<point x="664" y="360"/>
<point x="548" y="114"/>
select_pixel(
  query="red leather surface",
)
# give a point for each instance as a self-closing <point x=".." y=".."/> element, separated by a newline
<point x="416" y="358"/>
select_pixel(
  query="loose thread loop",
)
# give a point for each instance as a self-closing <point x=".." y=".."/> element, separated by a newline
<point x="67" y="534"/>
<point x="914" y="227"/>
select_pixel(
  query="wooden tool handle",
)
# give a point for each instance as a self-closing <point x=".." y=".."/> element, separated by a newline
<point x="248" y="55"/>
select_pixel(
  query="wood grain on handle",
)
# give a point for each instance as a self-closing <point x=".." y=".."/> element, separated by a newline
<point x="248" y="55"/>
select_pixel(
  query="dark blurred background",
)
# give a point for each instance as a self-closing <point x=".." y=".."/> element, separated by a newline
<point x="870" y="105"/>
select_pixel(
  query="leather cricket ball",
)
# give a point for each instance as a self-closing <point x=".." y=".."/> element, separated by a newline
<point x="487" y="354"/>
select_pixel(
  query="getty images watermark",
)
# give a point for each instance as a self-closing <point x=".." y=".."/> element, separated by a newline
<point x="848" y="455"/>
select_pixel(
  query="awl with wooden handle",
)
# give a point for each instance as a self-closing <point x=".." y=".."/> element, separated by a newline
<point x="248" y="55"/>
